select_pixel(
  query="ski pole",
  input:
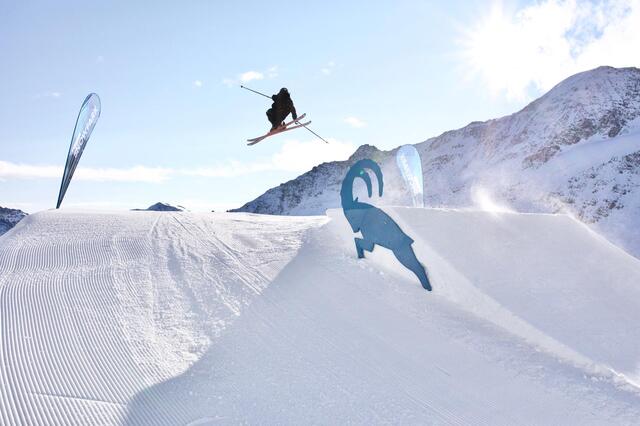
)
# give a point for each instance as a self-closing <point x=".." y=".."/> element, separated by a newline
<point x="317" y="135"/>
<point x="255" y="91"/>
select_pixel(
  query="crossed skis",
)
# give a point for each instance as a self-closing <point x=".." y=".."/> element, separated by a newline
<point x="280" y="129"/>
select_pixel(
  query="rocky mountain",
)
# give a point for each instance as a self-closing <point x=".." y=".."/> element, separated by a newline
<point x="162" y="207"/>
<point x="9" y="218"/>
<point x="576" y="149"/>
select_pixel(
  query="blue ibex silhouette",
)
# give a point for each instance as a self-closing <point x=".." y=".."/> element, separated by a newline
<point x="374" y="224"/>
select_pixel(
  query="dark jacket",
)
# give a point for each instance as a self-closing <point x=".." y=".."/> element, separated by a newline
<point x="283" y="105"/>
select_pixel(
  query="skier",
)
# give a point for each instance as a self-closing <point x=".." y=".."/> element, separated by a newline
<point x="281" y="107"/>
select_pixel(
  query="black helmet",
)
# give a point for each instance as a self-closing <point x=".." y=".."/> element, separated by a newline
<point x="284" y="90"/>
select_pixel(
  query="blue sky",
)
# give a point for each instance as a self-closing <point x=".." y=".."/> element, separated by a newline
<point x="174" y="120"/>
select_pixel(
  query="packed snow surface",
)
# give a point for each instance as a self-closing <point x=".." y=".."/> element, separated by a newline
<point x="179" y="318"/>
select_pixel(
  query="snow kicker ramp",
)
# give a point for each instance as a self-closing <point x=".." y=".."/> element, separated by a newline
<point x="178" y="318"/>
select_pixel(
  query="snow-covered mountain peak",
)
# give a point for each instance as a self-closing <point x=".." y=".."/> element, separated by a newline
<point x="162" y="207"/>
<point x="603" y="82"/>
<point x="602" y="101"/>
<point x="364" y="151"/>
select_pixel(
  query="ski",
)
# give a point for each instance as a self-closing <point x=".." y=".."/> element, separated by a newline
<point x="279" y="130"/>
<point x="282" y="130"/>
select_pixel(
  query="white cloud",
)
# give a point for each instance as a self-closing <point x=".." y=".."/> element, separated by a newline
<point x="272" y="72"/>
<point x="26" y="171"/>
<point x="328" y="69"/>
<point x="355" y="122"/>
<point x="50" y="94"/>
<point x="116" y="205"/>
<point x="231" y="168"/>
<point x="299" y="156"/>
<point x="248" y="76"/>
<point x="25" y="207"/>
<point x="293" y="156"/>
<point x="540" y="45"/>
<point x="245" y="77"/>
<point x="197" y="83"/>
<point x="133" y="174"/>
<point x="10" y="170"/>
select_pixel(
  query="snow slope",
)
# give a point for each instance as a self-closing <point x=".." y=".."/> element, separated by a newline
<point x="180" y="318"/>
<point x="96" y="307"/>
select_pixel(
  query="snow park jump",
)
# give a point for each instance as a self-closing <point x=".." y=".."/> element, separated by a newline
<point x="463" y="250"/>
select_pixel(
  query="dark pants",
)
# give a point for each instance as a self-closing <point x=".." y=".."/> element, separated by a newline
<point x="275" y="117"/>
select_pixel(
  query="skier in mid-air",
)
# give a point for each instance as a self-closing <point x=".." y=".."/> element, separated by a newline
<point x="280" y="109"/>
<point x="282" y="106"/>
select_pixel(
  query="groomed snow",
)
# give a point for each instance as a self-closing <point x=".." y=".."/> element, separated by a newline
<point x="181" y="318"/>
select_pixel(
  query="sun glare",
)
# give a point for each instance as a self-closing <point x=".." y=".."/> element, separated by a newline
<point x="543" y="43"/>
<point x="489" y="48"/>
